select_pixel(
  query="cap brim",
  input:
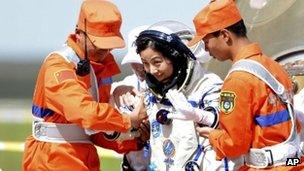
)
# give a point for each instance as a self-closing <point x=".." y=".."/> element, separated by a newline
<point x="110" y="42"/>
<point x="131" y="57"/>
<point x="195" y="40"/>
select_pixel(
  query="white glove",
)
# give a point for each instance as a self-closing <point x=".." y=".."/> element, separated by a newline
<point x="186" y="111"/>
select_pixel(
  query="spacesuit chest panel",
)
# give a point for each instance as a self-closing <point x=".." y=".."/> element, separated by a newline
<point x="172" y="145"/>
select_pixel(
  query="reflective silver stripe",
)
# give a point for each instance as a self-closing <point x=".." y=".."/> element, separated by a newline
<point x="262" y="73"/>
<point x="94" y="87"/>
<point x="68" y="54"/>
<point x="277" y="154"/>
<point x="59" y="133"/>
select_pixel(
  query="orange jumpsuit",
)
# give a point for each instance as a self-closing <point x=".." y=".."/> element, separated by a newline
<point x="62" y="97"/>
<point x="251" y="101"/>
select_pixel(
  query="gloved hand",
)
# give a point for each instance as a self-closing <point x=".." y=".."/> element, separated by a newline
<point x="186" y="111"/>
<point x="180" y="103"/>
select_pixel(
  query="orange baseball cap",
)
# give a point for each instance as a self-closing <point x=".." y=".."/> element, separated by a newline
<point x="102" y="20"/>
<point x="219" y="14"/>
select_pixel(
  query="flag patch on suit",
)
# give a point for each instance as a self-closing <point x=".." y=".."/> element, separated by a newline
<point x="64" y="75"/>
<point x="227" y="102"/>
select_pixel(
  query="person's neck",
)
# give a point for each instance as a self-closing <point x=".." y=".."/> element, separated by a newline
<point x="238" y="45"/>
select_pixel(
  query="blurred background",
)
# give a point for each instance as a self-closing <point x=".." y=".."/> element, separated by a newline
<point x="31" y="29"/>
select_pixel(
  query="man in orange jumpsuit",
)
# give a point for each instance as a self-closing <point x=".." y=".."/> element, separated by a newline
<point x="256" y="127"/>
<point x="71" y="94"/>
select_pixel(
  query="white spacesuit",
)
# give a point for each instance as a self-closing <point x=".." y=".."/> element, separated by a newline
<point x="175" y="144"/>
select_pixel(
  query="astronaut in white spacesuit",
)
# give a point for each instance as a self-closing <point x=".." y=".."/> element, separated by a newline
<point x="177" y="84"/>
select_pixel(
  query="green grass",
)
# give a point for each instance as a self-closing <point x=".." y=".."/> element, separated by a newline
<point x="14" y="131"/>
<point x="110" y="164"/>
<point x="11" y="161"/>
<point x="17" y="132"/>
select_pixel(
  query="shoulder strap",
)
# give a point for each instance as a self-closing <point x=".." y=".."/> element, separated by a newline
<point x="68" y="54"/>
<point x="262" y="73"/>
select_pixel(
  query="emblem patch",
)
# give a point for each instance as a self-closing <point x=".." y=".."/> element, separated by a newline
<point x="168" y="148"/>
<point x="155" y="129"/>
<point x="169" y="151"/>
<point x="227" y="102"/>
<point x="64" y="75"/>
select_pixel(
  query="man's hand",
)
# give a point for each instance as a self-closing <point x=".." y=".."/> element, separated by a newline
<point x="144" y="130"/>
<point x="204" y="131"/>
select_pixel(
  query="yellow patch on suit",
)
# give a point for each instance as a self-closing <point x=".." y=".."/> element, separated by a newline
<point x="227" y="101"/>
<point x="64" y="75"/>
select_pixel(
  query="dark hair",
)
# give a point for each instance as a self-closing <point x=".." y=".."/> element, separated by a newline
<point x="239" y="29"/>
<point x="143" y="43"/>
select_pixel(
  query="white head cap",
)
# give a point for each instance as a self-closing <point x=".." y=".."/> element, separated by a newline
<point x="132" y="56"/>
<point x="185" y="33"/>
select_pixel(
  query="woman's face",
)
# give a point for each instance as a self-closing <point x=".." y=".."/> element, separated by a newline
<point x="157" y="65"/>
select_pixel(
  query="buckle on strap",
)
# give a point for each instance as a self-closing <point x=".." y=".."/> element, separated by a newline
<point x="269" y="157"/>
<point x="259" y="158"/>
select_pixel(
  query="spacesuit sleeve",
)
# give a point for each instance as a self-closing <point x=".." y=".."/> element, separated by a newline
<point x="210" y="91"/>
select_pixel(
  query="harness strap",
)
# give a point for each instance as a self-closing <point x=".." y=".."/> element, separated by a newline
<point x="262" y="73"/>
<point x="59" y="133"/>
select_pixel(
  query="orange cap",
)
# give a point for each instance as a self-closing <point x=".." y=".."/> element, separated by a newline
<point x="219" y="14"/>
<point x="103" y="21"/>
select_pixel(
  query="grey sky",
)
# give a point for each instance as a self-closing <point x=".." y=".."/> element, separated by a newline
<point x="33" y="28"/>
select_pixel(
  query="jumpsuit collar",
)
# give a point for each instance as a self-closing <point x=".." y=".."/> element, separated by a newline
<point x="248" y="51"/>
